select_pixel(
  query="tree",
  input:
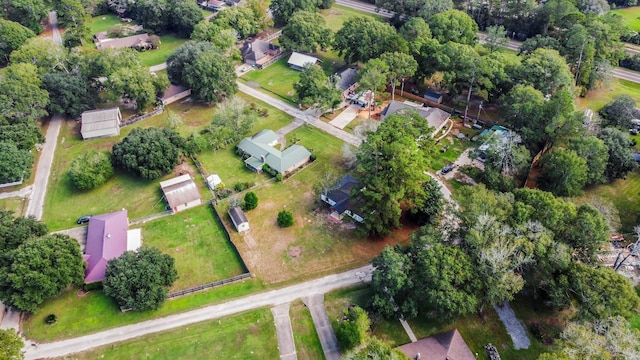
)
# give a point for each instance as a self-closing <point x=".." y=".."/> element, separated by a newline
<point x="361" y="39"/>
<point x="29" y="13"/>
<point x="250" y="201"/>
<point x="415" y="31"/>
<point x="38" y="269"/>
<point x="401" y="66"/>
<point x="71" y="13"/>
<point x="448" y="282"/>
<point x="621" y="160"/>
<point x="21" y="99"/>
<point x="429" y="206"/>
<point x="210" y="76"/>
<point x="454" y="25"/>
<point x="24" y="135"/>
<point x="283" y="10"/>
<point x="537" y="42"/>
<point x="417" y="8"/>
<point x="496" y="37"/>
<point x="545" y="70"/>
<point x="75" y="36"/>
<point x="183" y="56"/>
<point x="374" y="349"/>
<point x="392" y="285"/>
<point x="353" y="330"/>
<point x="587" y="234"/>
<point x="185" y="15"/>
<point x="173" y="120"/>
<point x="91" y="169"/>
<point x="373" y="75"/>
<point x="602" y="292"/>
<point x="46" y="55"/>
<point x="595" y="153"/>
<point x="306" y="31"/>
<point x="315" y="90"/>
<point x="619" y="112"/>
<point x="137" y="84"/>
<point x="139" y="280"/>
<point x="222" y="39"/>
<point x="285" y="218"/>
<point x="14" y="231"/>
<point x="458" y="63"/>
<point x="390" y="169"/>
<point x="12" y="36"/>
<point x="69" y="94"/>
<point x="15" y="164"/>
<point x="326" y="4"/>
<point x="240" y="18"/>
<point x="231" y="122"/>
<point x="148" y="153"/>
<point x="11" y="345"/>
<point x="153" y="14"/>
<point x="564" y="173"/>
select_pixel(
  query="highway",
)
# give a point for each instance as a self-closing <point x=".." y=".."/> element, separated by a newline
<point x="618" y="72"/>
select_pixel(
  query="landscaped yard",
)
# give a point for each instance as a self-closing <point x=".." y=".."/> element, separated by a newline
<point x="249" y="335"/>
<point x="476" y="331"/>
<point x="195" y="239"/>
<point x="168" y="44"/>
<point x="277" y="79"/>
<point x="630" y="17"/>
<point x="304" y="333"/>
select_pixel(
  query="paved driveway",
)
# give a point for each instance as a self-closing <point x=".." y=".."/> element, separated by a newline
<point x="345" y="117"/>
<point x="286" y="344"/>
<point x="328" y="340"/>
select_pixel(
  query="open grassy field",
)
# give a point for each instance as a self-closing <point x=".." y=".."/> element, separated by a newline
<point x="102" y="23"/>
<point x="249" y="335"/>
<point x="598" y="98"/>
<point x="304" y="333"/>
<point x="476" y="331"/>
<point x="625" y="196"/>
<point x="630" y="17"/>
<point x="277" y="79"/>
<point x="95" y="311"/>
<point x="168" y="44"/>
<point x="337" y="15"/>
<point x="195" y="239"/>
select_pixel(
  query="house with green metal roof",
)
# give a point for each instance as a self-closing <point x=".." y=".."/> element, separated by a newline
<point x="259" y="150"/>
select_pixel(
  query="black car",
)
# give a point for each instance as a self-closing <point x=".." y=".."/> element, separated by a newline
<point x="84" y="219"/>
<point x="446" y="169"/>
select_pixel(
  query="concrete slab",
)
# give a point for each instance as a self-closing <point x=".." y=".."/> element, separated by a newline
<point x="286" y="344"/>
<point x="345" y="117"/>
<point x="328" y="339"/>
<point x="408" y="330"/>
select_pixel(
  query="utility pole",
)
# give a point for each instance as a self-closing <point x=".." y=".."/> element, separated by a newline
<point x="466" y="109"/>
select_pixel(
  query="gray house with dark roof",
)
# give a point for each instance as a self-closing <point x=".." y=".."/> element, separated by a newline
<point x="258" y="52"/>
<point x="259" y="150"/>
<point x="339" y="197"/>
<point x="435" y="117"/>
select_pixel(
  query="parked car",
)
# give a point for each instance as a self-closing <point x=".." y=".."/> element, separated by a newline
<point x="84" y="219"/>
<point x="446" y="169"/>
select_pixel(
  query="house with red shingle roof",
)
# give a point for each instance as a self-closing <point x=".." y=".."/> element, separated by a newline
<point x="445" y="346"/>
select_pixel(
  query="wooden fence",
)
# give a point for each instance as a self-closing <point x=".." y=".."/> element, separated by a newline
<point x="209" y="286"/>
<point x="134" y="119"/>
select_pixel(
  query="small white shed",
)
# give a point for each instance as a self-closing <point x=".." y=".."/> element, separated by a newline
<point x="213" y="181"/>
<point x="239" y="219"/>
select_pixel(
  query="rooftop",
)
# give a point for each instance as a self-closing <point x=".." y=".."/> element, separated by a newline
<point x="180" y="190"/>
<point x="445" y="346"/>
<point x="434" y="116"/>
<point x="300" y="60"/>
<point x="106" y="240"/>
<point x="260" y="148"/>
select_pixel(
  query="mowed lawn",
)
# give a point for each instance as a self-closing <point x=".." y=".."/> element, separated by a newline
<point x="304" y="333"/>
<point x="596" y="99"/>
<point x="476" y="331"/>
<point x="249" y="335"/>
<point x="195" y="239"/>
<point x="168" y="44"/>
<point x="630" y="17"/>
<point x="16" y="204"/>
<point x="625" y="196"/>
<point x="337" y="15"/>
<point x="103" y="23"/>
<point x="277" y="79"/>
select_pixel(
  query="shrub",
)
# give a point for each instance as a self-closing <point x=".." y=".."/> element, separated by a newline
<point x="92" y="286"/>
<point x="285" y="218"/>
<point x="51" y="319"/>
<point x="223" y="193"/>
<point x="250" y="201"/>
<point x="279" y="177"/>
<point x="239" y="186"/>
<point x="91" y="169"/>
<point x="354" y="328"/>
<point x="313" y="157"/>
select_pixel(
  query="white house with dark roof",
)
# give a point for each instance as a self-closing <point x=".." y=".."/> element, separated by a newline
<point x="298" y="61"/>
<point x="239" y="219"/>
<point x="181" y="193"/>
<point x="436" y="118"/>
<point x="100" y="123"/>
<point x="260" y="150"/>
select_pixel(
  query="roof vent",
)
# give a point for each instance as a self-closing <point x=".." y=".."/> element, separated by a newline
<point x="109" y="235"/>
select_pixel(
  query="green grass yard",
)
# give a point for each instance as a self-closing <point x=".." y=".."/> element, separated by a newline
<point x="249" y="335"/>
<point x="16" y="204"/>
<point x="337" y="15"/>
<point x="630" y="17"/>
<point x="195" y="239"/>
<point x="598" y="98"/>
<point x="625" y="196"/>
<point x="102" y="23"/>
<point x="277" y="79"/>
<point x="168" y="44"/>
<point x="304" y="333"/>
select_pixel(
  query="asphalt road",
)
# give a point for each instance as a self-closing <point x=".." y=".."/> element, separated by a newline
<point x="619" y="73"/>
<point x="266" y="299"/>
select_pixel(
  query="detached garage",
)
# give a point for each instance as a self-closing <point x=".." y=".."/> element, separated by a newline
<point x="181" y="193"/>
